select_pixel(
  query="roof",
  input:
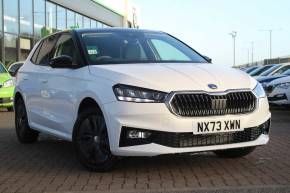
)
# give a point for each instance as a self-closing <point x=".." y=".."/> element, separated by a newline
<point x="114" y="29"/>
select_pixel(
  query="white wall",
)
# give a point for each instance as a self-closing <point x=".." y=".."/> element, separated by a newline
<point x="93" y="10"/>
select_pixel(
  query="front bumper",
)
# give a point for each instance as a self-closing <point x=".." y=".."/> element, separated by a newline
<point x="6" y="97"/>
<point x="157" y="117"/>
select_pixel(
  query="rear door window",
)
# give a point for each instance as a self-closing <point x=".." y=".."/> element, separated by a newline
<point x="46" y="51"/>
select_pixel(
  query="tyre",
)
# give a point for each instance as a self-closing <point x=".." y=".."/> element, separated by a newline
<point x="24" y="133"/>
<point x="91" y="141"/>
<point x="235" y="153"/>
<point x="10" y="109"/>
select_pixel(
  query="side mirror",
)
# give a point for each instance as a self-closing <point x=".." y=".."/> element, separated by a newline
<point x="62" y="61"/>
<point x="208" y="59"/>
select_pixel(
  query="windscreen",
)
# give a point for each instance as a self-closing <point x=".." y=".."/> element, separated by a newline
<point x="2" y="69"/>
<point x="260" y="70"/>
<point x="270" y="70"/>
<point x="136" y="47"/>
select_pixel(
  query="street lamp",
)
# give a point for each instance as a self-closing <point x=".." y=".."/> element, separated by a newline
<point x="270" y="39"/>
<point x="234" y="35"/>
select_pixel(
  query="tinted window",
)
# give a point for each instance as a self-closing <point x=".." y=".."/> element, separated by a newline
<point x="270" y="70"/>
<point x="287" y="72"/>
<point x="260" y="70"/>
<point x="136" y="47"/>
<point x="2" y="69"/>
<point x="65" y="46"/>
<point x="35" y="54"/>
<point x="46" y="50"/>
<point x="282" y="70"/>
<point x="15" y="67"/>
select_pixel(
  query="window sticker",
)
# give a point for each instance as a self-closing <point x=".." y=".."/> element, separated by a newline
<point x="92" y="50"/>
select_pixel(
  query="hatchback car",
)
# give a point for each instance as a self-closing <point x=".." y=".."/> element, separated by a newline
<point x="6" y="89"/>
<point x="125" y="92"/>
<point x="278" y="91"/>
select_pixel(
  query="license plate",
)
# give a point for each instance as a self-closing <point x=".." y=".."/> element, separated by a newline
<point x="218" y="126"/>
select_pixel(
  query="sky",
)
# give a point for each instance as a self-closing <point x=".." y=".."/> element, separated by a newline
<point x="205" y="26"/>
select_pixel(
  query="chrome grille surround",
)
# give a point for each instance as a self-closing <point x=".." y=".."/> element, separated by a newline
<point x="189" y="108"/>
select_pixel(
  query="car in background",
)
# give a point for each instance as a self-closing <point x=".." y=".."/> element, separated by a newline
<point x="264" y="80"/>
<point x="13" y="68"/>
<point x="6" y="89"/>
<point x="260" y="70"/>
<point x="278" y="91"/>
<point x="275" y="70"/>
<point x="251" y="69"/>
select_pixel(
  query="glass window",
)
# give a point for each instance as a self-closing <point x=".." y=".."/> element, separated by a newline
<point x="51" y="16"/>
<point x="35" y="54"/>
<point x="26" y="17"/>
<point x="2" y="69"/>
<point x="1" y="46"/>
<point x="10" y="47"/>
<point x="70" y="19"/>
<point x="87" y="22"/>
<point x="39" y="18"/>
<point x="93" y="23"/>
<point x="25" y="45"/>
<point x="61" y="18"/>
<point x="46" y="50"/>
<point x="166" y="51"/>
<point x="282" y="70"/>
<point x="137" y="47"/>
<point x="79" y="20"/>
<point x="65" y="46"/>
<point x="11" y="16"/>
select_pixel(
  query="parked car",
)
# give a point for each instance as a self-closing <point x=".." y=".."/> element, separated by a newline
<point x="13" y="68"/>
<point x="275" y="70"/>
<point x="264" y="80"/>
<point x="260" y="70"/>
<point x="6" y="89"/>
<point x="278" y="91"/>
<point x="251" y="69"/>
<point x="128" y="92"/>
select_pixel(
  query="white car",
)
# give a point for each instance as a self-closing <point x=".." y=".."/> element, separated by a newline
<point x="124" y="92"/>
<point x="278" y="91"/>
<point x="275" y="70"/>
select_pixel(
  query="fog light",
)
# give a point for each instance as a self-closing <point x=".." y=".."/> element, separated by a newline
<point x="135" y="134"/>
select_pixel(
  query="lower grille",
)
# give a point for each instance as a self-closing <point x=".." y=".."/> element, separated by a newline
<point x="180" y="140"/>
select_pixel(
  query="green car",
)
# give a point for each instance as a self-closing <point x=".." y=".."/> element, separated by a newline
<point x="6" y="89"/>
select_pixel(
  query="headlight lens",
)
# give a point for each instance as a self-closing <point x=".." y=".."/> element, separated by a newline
<point x="259" y="91"/>
<point x="138" y="95"/>
<point x="284" y="85"/>
<point x="8" y="83"/>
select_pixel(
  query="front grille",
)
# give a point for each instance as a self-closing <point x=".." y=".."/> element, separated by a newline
<point x="180" y="140"/>
<point x="205" y="104"/>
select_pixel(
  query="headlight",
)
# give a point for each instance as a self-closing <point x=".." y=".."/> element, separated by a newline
<point x="8" y="83"/>
<point x="138" y="95"/>
<point x="259" y="91"/>
<point x="284" y="85"/>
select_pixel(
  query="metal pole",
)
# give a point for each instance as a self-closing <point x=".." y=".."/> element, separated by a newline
<point x="270" y="31"/>
<point x="234" y="35"/>
<point x="252" y="43"/>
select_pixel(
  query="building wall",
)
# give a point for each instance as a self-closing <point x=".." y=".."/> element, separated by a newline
<point x="24" y="22"/>
<point x="93" y="10"/>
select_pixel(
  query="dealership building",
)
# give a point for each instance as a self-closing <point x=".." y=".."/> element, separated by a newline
<point x="24" y="22"/>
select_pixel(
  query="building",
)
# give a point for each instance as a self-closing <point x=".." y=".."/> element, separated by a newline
<point x="24" y="22"/>
<point x="278" y="60"/>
